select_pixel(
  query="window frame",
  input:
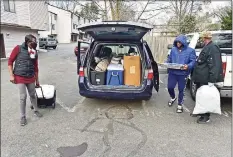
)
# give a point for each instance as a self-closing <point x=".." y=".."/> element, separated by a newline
<point x="9" y="9"/>
<point x="53" y="27"/>
<point x="55" y="17"/>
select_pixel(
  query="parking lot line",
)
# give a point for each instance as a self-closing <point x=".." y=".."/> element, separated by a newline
<point x="186" y="109"/>
<point x="225" y="114"/>
<point x="161" y="81"/>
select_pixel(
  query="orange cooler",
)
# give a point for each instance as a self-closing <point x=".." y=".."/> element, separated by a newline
<point x="132" y="70"/>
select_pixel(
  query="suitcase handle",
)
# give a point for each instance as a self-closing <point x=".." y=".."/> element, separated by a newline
<point x="41" y="91"/>
<point x="114" y="75"/>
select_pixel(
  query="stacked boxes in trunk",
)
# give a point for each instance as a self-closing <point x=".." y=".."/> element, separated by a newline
<point x="124" y="70"/>
<point x="132" y="70"/>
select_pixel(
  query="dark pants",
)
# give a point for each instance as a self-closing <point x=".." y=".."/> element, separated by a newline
<point x="172" y="81"/>
<point x="207" y="115"/>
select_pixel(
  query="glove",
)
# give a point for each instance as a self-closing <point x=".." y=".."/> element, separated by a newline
<point x="210" y="84"/>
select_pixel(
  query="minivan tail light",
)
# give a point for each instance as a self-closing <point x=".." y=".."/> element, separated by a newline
<point x="150" y="74"/>
<point x="81" y="71"/>
<point x="224" y="67"/>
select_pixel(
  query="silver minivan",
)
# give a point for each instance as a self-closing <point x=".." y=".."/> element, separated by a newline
<point x="48" y="43"/>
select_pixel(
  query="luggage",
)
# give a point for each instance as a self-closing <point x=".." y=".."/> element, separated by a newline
<point x="132" y="70"/>
<point x="46" y="96"/>
<point x="115" y="74"/>
<point x="98" y="78"/>
<point x="207" y="100"/>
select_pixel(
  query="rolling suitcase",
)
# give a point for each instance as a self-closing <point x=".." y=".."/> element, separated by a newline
<point x="46" y="96"/>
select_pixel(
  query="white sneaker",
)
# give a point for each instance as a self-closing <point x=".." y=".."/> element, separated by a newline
<point x="171" y="102"/>
<point x="179" y="109"/>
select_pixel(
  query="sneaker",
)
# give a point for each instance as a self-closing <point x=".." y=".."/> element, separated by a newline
<point x="179" y="109"/>
<point x="171" y="102"/>
<point x="23" y="121"/>
<point x="203" y="120"/>
<point x="38" y="114"/>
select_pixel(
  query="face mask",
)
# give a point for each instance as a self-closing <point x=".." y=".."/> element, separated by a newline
<point x="33" y="45"/>
<point x="32" y="53"/>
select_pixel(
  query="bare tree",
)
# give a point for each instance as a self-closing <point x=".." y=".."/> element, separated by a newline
<point x="185" y="14"/>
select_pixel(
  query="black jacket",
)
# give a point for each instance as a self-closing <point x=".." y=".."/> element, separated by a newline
<point x="208" y="67"/>
<point x="24" y="65"/>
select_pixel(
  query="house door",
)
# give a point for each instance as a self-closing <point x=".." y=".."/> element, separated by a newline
<point x="2" y="46"/>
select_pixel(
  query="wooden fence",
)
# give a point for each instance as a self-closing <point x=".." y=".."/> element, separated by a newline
<point x="158" y="45"/>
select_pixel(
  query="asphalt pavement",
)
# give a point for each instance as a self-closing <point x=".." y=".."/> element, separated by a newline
<point x="104" y="128"/>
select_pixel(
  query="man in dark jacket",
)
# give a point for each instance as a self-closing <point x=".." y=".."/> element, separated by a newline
<point x="208" y="68"/>
<point x="181" y="53"/>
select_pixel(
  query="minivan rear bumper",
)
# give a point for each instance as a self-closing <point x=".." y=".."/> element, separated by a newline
<point x="144" y="94"/>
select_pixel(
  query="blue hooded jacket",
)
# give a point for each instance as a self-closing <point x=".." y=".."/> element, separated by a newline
<point x="186" y="56"/>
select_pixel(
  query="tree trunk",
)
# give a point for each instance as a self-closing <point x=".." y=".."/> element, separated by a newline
<point x="112" y="10"/>
<point x="117" y="10"/>
<point x="105" y="10"/>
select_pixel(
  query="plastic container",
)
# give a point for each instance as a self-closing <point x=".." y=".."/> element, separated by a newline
<point x="171" y="65"/>
<point x="98" y="78"/>
<point x="115" y="74"/>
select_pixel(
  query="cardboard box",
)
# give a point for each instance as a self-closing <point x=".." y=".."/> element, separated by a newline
<point x="132" y="70"/>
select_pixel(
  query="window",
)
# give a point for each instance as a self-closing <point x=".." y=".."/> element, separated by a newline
<point x="89" y="21"/>
<point x="74" y="26"/>
<point x="84" y="20"/>
<point x="223" y="40"/>
<point x="123" y="49"/>
<point x="189" y="37"/>
<point x="78" y="18"/>
<point x="53" y="26"/>
<point x="200" y="44"/>
<point x="9" y="5"/>
<point x="55" y="17"/>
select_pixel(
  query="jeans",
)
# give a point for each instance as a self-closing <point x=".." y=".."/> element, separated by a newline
<point x="23" y="97"/>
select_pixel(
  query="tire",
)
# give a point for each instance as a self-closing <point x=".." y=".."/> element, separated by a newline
<point x="193" y="90"/>
<point x="188" y="84"/>
<point x="46" y="47"/>
<point x="54" y="47"/>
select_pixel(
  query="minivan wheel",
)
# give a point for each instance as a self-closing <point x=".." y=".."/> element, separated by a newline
<point x="193" y="90"/>
<point x="54" y="47"/>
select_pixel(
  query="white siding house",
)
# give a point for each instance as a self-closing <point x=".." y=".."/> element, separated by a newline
<point x="64" y="27"/>
<point x="19" y="18"/>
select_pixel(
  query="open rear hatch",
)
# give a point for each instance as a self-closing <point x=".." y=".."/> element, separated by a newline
<point x="111" y="30"/>
<point x="118" y="42"/>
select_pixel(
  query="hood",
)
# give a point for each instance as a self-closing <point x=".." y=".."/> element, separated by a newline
<point x="182" y="39"/>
